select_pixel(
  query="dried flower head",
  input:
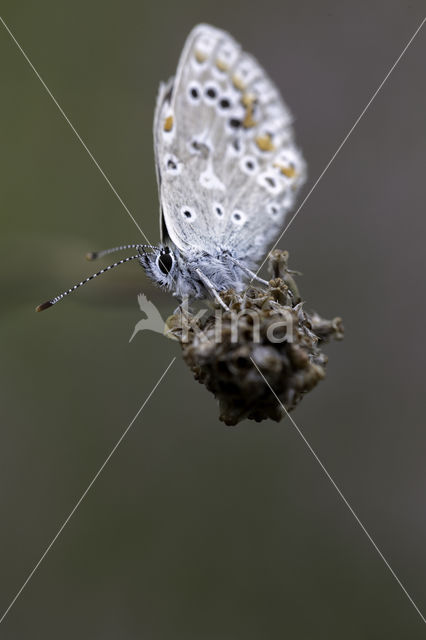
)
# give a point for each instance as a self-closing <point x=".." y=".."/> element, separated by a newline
<point x="268" y="327"/>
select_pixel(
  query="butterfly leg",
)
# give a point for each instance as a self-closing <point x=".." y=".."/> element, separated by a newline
<point x="210" y="286"/>
<point x="183" y="306"/>
<point x="248" y="271"/>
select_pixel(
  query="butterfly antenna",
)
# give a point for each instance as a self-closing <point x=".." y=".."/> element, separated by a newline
<point x="50" y="303"/>
<point x="94" y="255"/>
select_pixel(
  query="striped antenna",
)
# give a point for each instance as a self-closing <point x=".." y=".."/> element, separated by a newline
<point x="93" y="255"/>
<point x="50" y="303"/>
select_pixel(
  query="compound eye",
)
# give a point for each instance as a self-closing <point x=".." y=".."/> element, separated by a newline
<point x="165" y="262"/>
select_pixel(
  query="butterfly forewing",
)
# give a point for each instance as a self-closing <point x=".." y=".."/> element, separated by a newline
<point x="227" y="167"/>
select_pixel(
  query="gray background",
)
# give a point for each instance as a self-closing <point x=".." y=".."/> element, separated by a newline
<point x="196" y="530"/>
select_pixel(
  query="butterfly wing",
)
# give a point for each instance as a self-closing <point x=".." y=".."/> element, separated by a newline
<point x="227" y="167"/>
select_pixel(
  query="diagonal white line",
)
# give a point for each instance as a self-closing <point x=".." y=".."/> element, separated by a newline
<point x="96" y="163"/>
<point x="341" y="495"/>
<point x="80" y="500"/>
<point x="339" y="148"/>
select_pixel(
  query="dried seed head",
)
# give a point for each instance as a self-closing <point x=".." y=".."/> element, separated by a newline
<point x="268" y="327"/>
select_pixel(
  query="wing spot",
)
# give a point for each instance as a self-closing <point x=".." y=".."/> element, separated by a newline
<point x="248" y="99"/>
<point x="265" y="143"/>
<point x="168" y="123"/>
<point x="246" y="71"/>
<point x="238" y="83"/>
<point x="271" y="183"/>
<point x="188" y="213"/>
<point x="249" y="165"/>
<point x="235" y="147"/>
<point x="194" y="93"/>
<point x="211" y="92"/>
<point x="199" y="147"/>
<point x="235" y="123"/>
<point x="273" y="209"/>
<point x="238" y="217"/>
<point x="249" y="121"/>
<point x="226" y="55"/>
<point x="204" y="45"/>
<point x="218" y="210"/>
<point x="289" y="171"/>
<point x="221" y="65"/>
<point x="200" y="57"/>
<point x="173" y="166"/>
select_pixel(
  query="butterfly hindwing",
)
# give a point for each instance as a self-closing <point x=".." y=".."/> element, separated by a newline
<point x="227" y="167"/>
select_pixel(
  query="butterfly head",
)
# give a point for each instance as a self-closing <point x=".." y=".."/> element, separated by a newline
<point x="159" y="265"/>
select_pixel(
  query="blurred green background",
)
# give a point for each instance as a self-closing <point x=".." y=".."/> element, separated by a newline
<point x="196" y="530"/>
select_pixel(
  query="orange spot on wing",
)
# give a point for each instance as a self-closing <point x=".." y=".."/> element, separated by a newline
<point x="248" y="121"/>
<point x="168" y="123"/>
<point x="265" y="143"/>
<point x="221" y="65"/>
<point x="238" y="83"/>
<point x="290" y="172"/>
<point x="200" y="57"/>
<point x="248" y="99"/>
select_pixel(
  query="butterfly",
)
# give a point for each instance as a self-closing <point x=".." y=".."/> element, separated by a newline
<point x="227" y="166"/>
